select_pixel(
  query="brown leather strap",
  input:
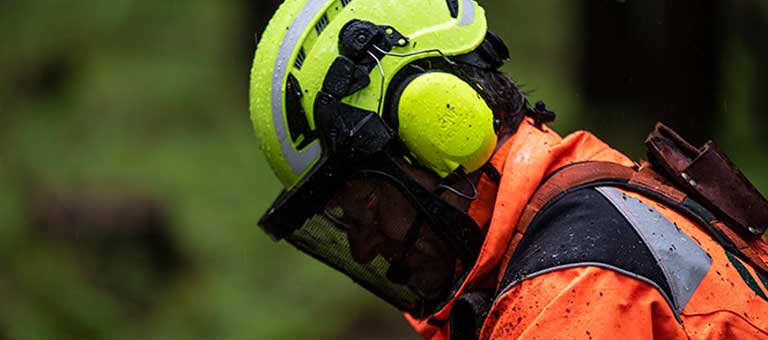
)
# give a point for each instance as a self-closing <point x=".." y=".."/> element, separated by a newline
<point x="751" y="250"/>
<point x="709" y="175"/>
<point x="642" y="177"/>
<point x="579" y="174"/>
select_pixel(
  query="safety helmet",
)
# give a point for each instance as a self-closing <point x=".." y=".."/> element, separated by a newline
<point x="344" y="95"/>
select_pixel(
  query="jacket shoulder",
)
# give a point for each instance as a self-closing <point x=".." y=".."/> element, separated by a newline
<point x="603" y="227"/>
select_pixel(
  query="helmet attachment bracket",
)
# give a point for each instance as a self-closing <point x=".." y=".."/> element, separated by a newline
<point x="358" y="37"/>
<point x="348" y="131"/>
<point x="345" y="77"/>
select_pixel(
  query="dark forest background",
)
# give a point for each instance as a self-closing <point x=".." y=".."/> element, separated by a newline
<point x="131" y="183"/>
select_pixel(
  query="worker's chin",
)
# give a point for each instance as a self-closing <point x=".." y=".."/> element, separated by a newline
<point x="428" y="280"/>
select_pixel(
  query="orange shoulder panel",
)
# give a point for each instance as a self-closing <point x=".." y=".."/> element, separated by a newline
<point x="590" y="302"/>
<point x="582" y="303"/>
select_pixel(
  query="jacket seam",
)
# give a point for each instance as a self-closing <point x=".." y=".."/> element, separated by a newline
<point x="592" y="264"/>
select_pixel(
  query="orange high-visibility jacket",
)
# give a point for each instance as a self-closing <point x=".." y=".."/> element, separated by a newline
<point x="647" y="271"/>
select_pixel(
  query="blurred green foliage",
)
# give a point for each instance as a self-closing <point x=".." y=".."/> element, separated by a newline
<point x="148" y="97"/>
<point x="151" y="97"/>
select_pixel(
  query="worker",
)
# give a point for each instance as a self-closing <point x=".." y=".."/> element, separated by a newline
<point x="416" y="168"/>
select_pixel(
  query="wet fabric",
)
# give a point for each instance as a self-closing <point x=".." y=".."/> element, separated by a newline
<point x="582" y="228"/>
<point x="602" y="303"/>
<point x="683" y="262"/>
<point x="524" y="160"/>
<point x="588" y="301"/>
<point x="603" y="227"/>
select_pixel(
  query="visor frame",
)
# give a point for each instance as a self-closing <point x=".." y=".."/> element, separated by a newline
<point x="359" y="143"/>
<point x="463" y="250"/>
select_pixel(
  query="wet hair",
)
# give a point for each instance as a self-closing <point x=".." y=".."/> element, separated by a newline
<point x="503" y="96"/>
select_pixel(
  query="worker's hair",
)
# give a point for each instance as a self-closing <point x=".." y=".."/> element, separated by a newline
<point x="507" y="101"/>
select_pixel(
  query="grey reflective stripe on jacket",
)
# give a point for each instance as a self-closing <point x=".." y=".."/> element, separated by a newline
<point x="606" y="228"/>
<point x="682" y="260"/>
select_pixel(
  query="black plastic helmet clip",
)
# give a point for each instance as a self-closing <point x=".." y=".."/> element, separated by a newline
<point x="490" y="55"/>
<point x="541" y="115"/>
<point x="358" y="37"/>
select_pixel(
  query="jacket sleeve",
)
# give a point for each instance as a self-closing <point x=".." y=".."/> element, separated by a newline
<point x="582" y="303"/>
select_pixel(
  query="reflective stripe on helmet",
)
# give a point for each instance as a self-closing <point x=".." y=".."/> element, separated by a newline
<point x="298" y="161"/>
<point x="467" y="12"/>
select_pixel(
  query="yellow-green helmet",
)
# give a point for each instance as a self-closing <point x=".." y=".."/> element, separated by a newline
<point x="346" y="97"/>
<point x="300" y="44"/>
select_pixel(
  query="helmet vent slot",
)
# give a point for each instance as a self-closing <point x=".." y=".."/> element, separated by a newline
<point x="322" y="24"/>
<point x="300" y="59"/>
<point x="301" y="133"/>
<point x="453" y="6"/>
<point x="345" y="2"/>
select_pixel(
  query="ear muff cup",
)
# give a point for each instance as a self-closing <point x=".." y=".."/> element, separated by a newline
<point x="444" y="122"/>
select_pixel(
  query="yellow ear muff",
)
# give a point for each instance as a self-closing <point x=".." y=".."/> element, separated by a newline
<point x="445" y="123"/>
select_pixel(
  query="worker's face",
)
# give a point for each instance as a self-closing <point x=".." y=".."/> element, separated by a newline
<point x="380" y="221"/>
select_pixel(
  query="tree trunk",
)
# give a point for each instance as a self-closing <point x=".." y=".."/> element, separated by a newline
<point x="647" y="61"/>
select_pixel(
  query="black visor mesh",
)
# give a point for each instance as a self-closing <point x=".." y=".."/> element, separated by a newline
<point x="371" y="231"/>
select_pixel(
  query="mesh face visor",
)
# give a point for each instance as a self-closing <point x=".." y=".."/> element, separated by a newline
<point x="359" y="212"/>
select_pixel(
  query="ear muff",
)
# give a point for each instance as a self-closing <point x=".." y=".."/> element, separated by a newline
<point x="444" y="122"/>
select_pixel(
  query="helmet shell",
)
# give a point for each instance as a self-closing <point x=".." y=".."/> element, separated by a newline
<point x="301" y="40"/>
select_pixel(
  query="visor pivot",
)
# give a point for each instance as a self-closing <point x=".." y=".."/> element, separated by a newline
<point x="359" y="37"/>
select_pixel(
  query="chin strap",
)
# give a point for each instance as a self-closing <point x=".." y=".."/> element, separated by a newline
<point x="493" y="174"/>
<point x="457" y="192"/>
<point x="488" y="169"/>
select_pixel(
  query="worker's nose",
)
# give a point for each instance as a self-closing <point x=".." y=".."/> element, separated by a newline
<point x="365" y="243"/>
<point x="376" y="217"/>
